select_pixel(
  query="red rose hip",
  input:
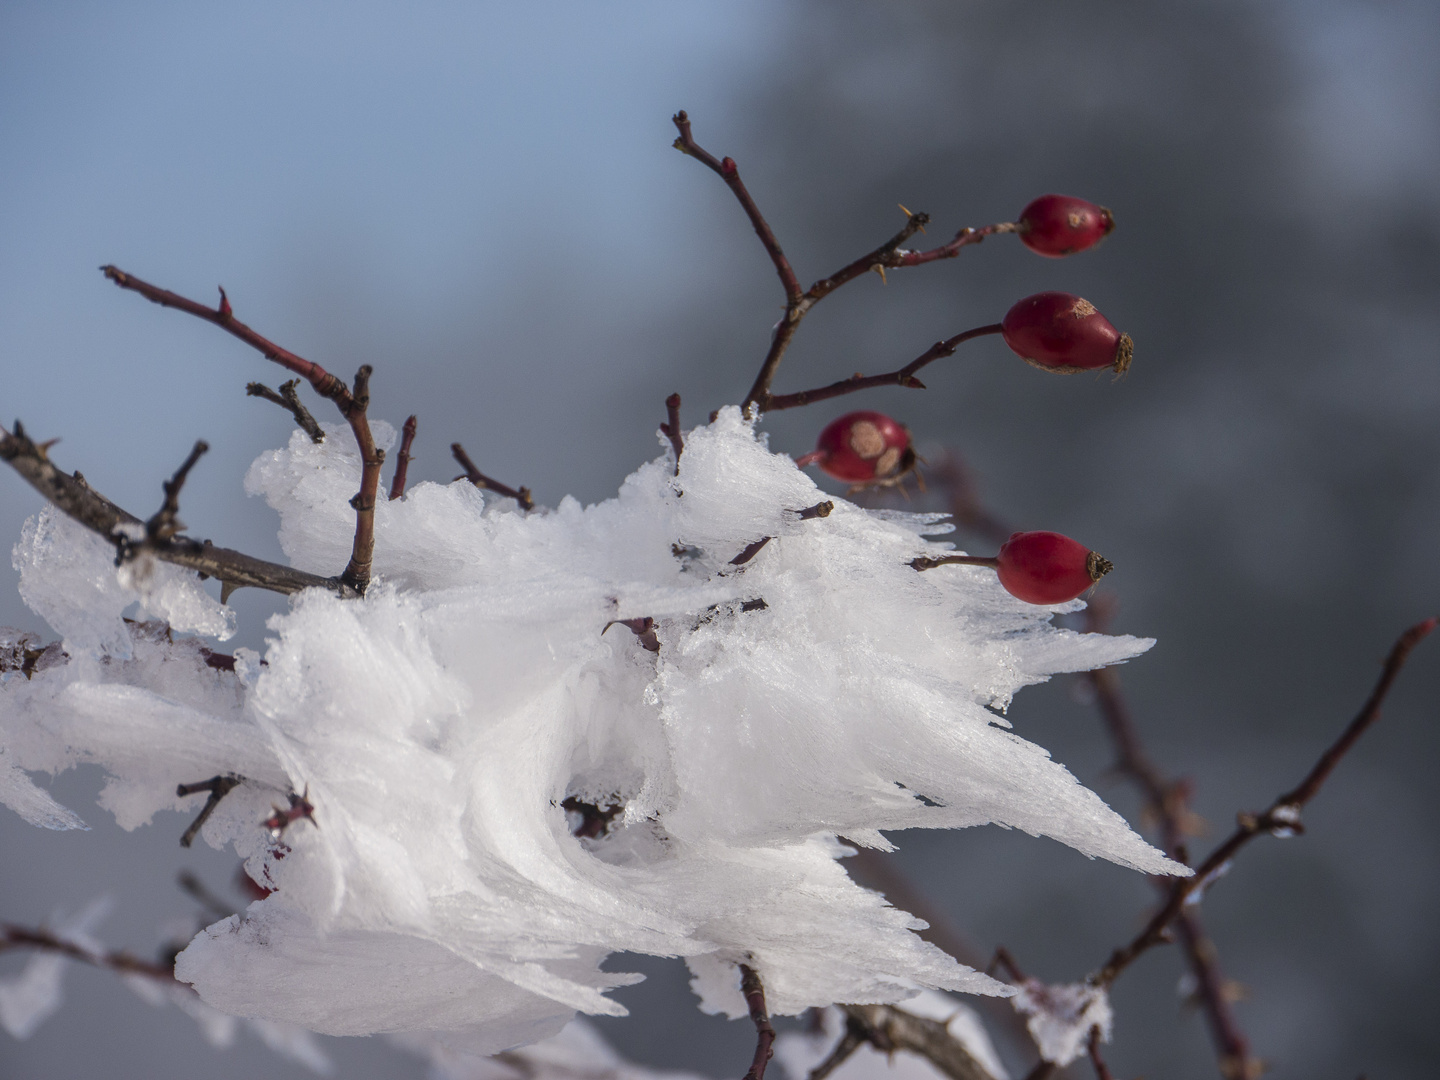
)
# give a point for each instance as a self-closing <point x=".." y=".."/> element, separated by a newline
<point x="863" y="447"/>
<point x="1059" y="225"/>
<point x="1048" y="568"/>
<point x="1058" y="332"/>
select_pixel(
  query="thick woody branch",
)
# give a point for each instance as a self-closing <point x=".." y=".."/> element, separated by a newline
<point x="356" y="575"/>
<point x="289" y="399"/>
<point x="21" y="937"/>
<point x="904" y="376"/>
<point x="754" y="991"/>
<point x="1282" y="818"/>
<point x="480" y="480"/>
<point x="71" y="494"/>
<point x="403" y="459"/>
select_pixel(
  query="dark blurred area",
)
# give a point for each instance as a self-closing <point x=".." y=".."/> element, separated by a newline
<point x="1266" y="478"/>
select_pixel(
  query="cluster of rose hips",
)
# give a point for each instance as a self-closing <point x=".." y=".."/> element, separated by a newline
<point x="1052" y="331"/>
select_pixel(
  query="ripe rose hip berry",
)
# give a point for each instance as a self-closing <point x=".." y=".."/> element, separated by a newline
<point x="1058" y="332"/>
<point x="1058" y="225"/>
<point x="1047" y="568"/>
<point x="863" y="447"/>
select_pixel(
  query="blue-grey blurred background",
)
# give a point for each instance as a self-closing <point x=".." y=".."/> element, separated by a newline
<point x="481" y="200"/>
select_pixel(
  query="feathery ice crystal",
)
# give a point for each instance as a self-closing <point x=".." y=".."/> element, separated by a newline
<point x="441" y="726"/>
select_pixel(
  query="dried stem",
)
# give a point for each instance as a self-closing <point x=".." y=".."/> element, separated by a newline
<point x="754" y="991"/>
<point x="218" y="787"/>
<point x="671" y="428"/>
<point x="798" y="303"/>
<point x="165" y="522"/>
<point x="289" y="399"/>
<point x="1102" y="1071"/>
<point x="1282" y="817"/>
<point x="480" y="480"/>
<point x="930" y="562"/>
<point x="904" y="376"/>
<point x="356" y="575"/>
<point x="403" y="459"/>
<point x="86" y="505"/>
<point x="21" y="937"/>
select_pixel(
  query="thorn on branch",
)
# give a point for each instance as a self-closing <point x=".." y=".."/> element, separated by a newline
<point x="402" y="460"/>
<point x="671" y="428"/>
<point x="289" y="399"/>
<point x="218" y="787"/>
<point x="165" y="523"/>
<point x="754" y="991"/>
<point x="480" y="480"/>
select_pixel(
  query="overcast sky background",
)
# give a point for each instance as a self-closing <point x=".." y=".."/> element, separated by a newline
<point x="481" y="201"/>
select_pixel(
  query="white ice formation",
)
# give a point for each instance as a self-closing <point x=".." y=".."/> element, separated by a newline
<point x="441" y="725"/>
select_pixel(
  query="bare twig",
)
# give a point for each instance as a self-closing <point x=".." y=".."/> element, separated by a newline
<point x="402" y="460"/>
<point x="671" y="428"/>
<point x="750" y="551"/>
<point x="480" y="480"/>
<point x="849" y="1042"/>
<point x="890" y="1028"/>
<point x="1281" y="818"/>
<point x="22" y="937"/>
<point x="165" y="522"/>
<point x="289" y="399"/>
<point x="1102" y="1071"/>
<point x="754" y="991"/>
<point x="904" y="376"/>
<point x="80" y="501"/>
<point x="927" y="562"/>
<point x="352" y="406"/>
<point x="218" y="787"/>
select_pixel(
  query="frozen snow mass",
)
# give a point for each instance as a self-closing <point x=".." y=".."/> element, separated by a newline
<point x="509" y="781"/>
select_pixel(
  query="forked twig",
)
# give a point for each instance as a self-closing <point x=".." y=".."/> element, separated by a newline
<point x="480" y="480"/>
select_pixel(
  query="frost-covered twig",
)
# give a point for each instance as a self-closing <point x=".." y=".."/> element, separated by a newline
<point x="352" y="406"/>
<point x="289" y="399"/>
<point x="480" y="480"/>
<point x="80" y="501"/>
<point x="22" y="937"/>
<point x="754" y="991"/>
<point x="671" y="428"/>
<point x="1282" y="818"/>
<point x="904" y="376"/>
<point x="402" y="459"/>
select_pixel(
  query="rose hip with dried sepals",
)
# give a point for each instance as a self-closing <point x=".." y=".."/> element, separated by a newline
<point x="1060" y="225"/>
<point x="863" y="447"/>
<point x="1058" y="332"/>
<point x="1048" y="568"/>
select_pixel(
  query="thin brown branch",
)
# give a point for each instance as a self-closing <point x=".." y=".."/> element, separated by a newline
<point x="926" y="562"/>
<point x="218" y="787"/>
<point x="890" y="1028"/>
<point x="22" y="937"/>
<point x="71" y="494"/>
<point x="352" y="406"/>
<point x="726" y="169"/>
<point x="754" y="991"/>
<point x="963" y="239"/>
<point x="819" y="510"/>
<point x="1102" y="1071"/>
<point x="671" y="428"/>
<point x="881" y="258"/>
<point x="480" y="480"/>
<point x="289" y="399"/>
<point x="1281" y="818"/>
<point x="851" y="1041"/>
<point x="165" y="522"/>
<point x="403" y="459"/>
<point x="904" y="376"/>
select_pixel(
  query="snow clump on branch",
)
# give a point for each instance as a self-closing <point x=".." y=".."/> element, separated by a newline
<point x="508" y="787"/>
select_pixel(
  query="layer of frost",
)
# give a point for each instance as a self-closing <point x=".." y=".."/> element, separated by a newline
<point x="438" y="725"/>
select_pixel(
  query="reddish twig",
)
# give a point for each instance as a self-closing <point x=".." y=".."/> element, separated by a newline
<point x="480" y="480"/>
<point x="218" y="787"/>
<point x="963" y="239"/>
<point x="1281" y="818"/>
<point x="671" y="428"/>
<point x="403" y="459"/>
<point x="289" y="399"/>
<point x="21" y="937"/>
<point x="352" y="406"/>
<point x="754" y="991"/>
<point x="904" y="376"/>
